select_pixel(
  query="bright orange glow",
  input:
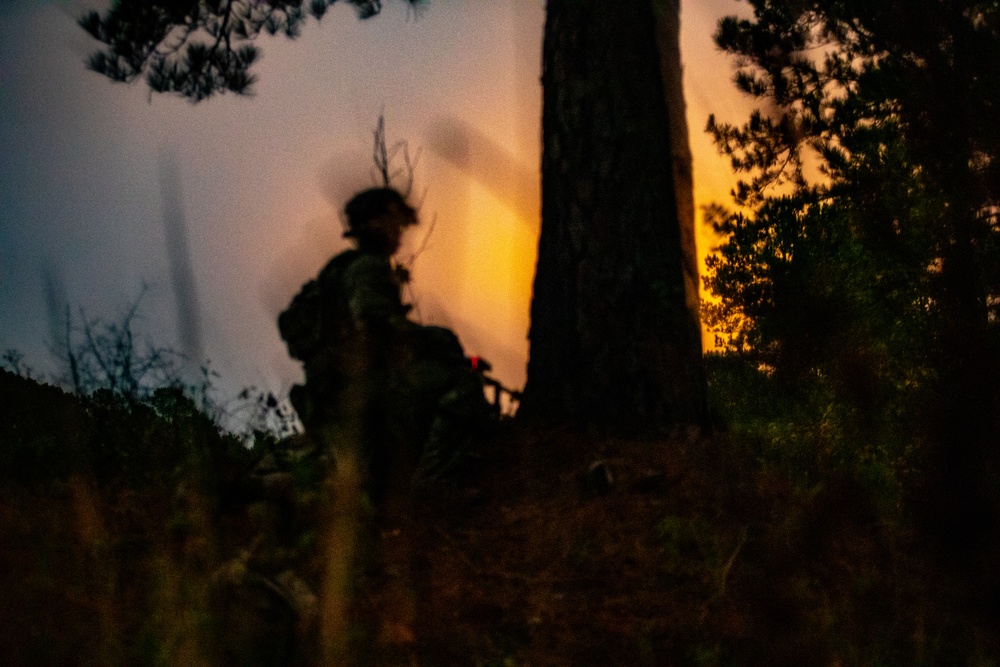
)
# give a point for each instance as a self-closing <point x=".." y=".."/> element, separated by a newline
<point x="475" y="276"/>
<point x="707" y="241"/>
<point x="708" y="89"/>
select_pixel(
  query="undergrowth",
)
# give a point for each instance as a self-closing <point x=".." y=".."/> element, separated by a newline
<point x="139" y="532"/>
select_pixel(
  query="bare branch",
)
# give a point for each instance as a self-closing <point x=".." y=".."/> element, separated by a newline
<point x="385" y="157"/>
<point x="380" y="154"/>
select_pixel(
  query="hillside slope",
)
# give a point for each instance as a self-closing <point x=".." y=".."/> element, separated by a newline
<point x="174" y="547"/>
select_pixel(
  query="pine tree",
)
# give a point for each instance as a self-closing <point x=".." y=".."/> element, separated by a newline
<point x="868" y="249"/>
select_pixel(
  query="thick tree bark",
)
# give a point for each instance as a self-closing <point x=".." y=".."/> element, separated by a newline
<point x="613" y="343"/>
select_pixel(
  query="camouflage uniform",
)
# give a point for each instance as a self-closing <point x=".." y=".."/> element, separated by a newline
<point x="404" y="390"/>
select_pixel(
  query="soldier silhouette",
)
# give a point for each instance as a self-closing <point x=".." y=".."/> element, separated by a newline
<point x="404" y="394"/>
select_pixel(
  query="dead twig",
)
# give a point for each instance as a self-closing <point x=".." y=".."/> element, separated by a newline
<point x="724" y="573"/>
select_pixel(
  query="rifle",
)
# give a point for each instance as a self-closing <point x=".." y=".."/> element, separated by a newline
<point x="482" y="367"/>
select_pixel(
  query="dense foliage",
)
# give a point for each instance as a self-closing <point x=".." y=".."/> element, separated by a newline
<point x="862" y="263"/>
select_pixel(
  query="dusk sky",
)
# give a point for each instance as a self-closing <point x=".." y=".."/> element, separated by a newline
<point x="85" y="165"/>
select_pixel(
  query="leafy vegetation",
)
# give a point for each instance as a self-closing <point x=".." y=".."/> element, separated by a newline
<point x="121" y="503"/>
<point x="857" y="284"/>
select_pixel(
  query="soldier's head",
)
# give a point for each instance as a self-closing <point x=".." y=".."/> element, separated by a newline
<point x="376" y="219"/>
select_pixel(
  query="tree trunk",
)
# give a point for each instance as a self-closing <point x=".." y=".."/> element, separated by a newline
<point x="613" y="342"/>
<point x="668" y="42"/>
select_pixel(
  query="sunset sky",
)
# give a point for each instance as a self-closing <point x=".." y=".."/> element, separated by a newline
<point x="259" y="181"/>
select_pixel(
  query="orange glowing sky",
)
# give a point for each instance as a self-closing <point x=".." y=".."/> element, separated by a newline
<point x="263" y="177"/>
